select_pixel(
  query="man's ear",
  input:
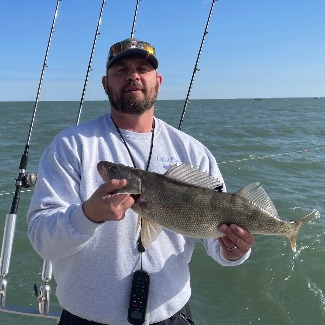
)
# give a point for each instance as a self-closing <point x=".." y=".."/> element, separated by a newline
<point x="159" y="79"/>
<point x="104" y="83"/>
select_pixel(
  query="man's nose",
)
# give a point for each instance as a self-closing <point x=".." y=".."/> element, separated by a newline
<point x="132" y="75"/>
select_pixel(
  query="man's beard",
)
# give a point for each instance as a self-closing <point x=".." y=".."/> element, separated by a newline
<point x="130" y="103"/>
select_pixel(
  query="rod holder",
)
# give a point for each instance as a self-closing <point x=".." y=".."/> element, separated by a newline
<point x="3" y="287"/>
<point x="47" y="271"/>
<point x="43" y="296"/>
<point x="43" y="292"/>
<point x="7" y="242"/>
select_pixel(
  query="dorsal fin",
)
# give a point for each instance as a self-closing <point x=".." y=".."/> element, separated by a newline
<point x="193" y="176"/>
<point x="256" y="195"/>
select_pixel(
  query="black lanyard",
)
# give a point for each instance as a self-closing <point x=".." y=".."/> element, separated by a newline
<point x="141" y="248"/>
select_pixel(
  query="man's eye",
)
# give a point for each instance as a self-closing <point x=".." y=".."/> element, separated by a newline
<point x="144" y="68"/>
<point x="120" y="70"/>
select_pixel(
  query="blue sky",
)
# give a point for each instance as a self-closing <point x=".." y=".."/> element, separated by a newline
<point x="254" y="48"/>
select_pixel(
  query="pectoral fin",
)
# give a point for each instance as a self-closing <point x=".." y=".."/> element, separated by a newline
<point x="150" y="230"/>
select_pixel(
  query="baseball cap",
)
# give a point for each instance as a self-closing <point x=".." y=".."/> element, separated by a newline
<point x="131" y="47"/>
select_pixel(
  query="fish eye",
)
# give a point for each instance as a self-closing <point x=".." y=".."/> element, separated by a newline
<point x="113" y="169"/>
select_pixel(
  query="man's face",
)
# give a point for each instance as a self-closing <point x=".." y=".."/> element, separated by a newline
<point x="132" y="85"/>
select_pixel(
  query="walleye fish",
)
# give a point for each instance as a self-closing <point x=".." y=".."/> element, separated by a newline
<point x="185" y="201"/>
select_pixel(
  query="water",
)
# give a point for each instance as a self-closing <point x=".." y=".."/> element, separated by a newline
<point x="278" y="142"/>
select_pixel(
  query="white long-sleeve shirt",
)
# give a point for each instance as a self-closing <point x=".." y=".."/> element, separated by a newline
<point x="93" y="263"/>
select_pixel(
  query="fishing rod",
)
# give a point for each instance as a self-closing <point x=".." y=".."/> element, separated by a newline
<point x="42" y="292"/>
<point x="90" y="60"/>
<point x="134" y="18"/>
<point x="23" y="180"/>
<point x="196" y="65"/>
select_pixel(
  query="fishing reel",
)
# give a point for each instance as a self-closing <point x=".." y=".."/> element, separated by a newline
<point x="29" y="180"/>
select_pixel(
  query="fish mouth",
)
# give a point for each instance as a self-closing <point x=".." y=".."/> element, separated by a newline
<point x="136" y="197"/>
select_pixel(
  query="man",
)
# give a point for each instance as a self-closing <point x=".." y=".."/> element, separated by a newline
<point x="90" y="235"/>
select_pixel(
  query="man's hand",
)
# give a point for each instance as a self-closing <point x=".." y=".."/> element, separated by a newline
<point x="236" y="242"/>
<point x="102" y="206"/>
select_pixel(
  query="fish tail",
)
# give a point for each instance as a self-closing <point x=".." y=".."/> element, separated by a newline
<point x="292" y="237"/>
